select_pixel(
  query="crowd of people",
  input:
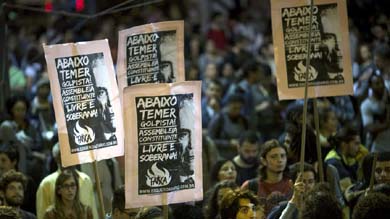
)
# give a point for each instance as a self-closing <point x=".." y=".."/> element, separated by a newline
<point x="251" y="141"/>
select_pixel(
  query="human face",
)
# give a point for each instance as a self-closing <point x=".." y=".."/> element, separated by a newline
<point x="234" y="109"/>
<point x="68" y="190"/>
<point x="331" y="123"/>
<point x="276" y="160"/>
<point x="227" y="172"/>
<point x="187" y="157"/>
<point x="308" y="180"/>
<point x="19" y="110"/>
<point x="246" y="209"/>
<point x="214" y="90"/>
<point x="14" y="194"/>
<point x="248" y="152"/>
<point x="353" y="146"/>
<point x="377" y="85"/>
<point x="125" y="214"/>
<point x="6" y="164"/>
<point x="382" y="172"/>
<point x="365" y="53"/>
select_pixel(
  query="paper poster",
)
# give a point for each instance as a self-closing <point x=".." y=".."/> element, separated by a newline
<point x="330" y="71"/>
<point x="164" y="148"/>
<point x="151" y="53"/>
<point x="86" y="101"/>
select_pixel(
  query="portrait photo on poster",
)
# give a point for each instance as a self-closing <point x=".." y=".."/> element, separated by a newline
<point x="166" y="159"/>
<point x="151" y="57"/>
<point x="89" y="115"/>
<point x="326" y="58"/>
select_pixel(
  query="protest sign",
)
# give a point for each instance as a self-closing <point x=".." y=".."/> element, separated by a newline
<point x="330" y="71"/>
<point x="151" y="53"/>
<point x="86" y="101"/>
<point x="164" y="143"/>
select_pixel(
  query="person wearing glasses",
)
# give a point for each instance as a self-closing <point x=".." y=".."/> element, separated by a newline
<point x="240" y="204"/>
<point x="67" y="203"/>
<point x="118" y="206"/>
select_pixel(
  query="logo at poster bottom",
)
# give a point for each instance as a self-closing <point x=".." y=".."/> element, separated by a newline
<point x="83" y="136"/>
<point x="300" y="72"/>
<point x="157" y="177"/>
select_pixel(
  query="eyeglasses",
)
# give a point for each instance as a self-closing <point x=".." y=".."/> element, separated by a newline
<point x="245" y="209"/>
<point x="69" y="186"/>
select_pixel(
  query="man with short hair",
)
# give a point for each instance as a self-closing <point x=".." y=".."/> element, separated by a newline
<point x="12" y="185"/>
<point x="118" y="206"/>
<point x="246" y="161"/>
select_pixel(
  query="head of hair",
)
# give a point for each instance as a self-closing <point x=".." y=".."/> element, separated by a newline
<point x="373" y="205"/>
<point x="215" y="170"/>
<point x="250" y="136"/>
<point x="265" y="149"/>
<point x="250" y="66"/>
<point x="230" y="202"/>
<point x="12" y="176"/>
<point x="323" y="114"/>
<point x="384" y="156"/>
<point x="321" y="204"/>
<point x="210" y="209"/>
<point x="295" y="168"/>
<point x="345" y="134"/>
<point x="187" y="211"/>
<point x="149" y="213"/>
<point x="10" y="151"/>
<point x="373" y="76"/>
<point x="118" y="200"/>
<point x="58" y="203"/>
<point x="235" y="98"/>
<point x="10" y="103"/>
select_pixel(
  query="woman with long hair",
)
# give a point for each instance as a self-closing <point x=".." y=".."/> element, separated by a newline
<point x="67" y="203"/>
<point x="223" y="170"/>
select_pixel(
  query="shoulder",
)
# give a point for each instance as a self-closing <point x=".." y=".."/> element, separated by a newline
<point x="26" y="214"/>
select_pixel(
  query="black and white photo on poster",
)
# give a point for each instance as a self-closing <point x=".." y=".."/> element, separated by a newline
<point x="166" y="153"/>
<point x="150" y="57"/>
<point x="88" y="112"/>
<point x="325" y="55"/>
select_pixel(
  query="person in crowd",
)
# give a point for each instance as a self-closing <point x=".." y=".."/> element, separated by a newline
<point x="226" y="127"/>
<point x="223" y="170"/>
<point x="346" y="155"/>
<point x="46" y="190"/>
<point x="303" y="184"/>
<point x="240" y="205"/>
<point x="42" y="110"/>
<point x="272" y="172"/>
<point x="187" y="210"/>
<point x="7" y="212"/>
<point x="214" y="196"/>
<point x="150" y="213"/>
<point x="211" y="102"/>
<point x="320" y="203"/>
<point x="381" y="177"/>
<point x="67" y="199"/>
<point x="247" y="161"/>
<point x="9" y="159"/>
<point x="118" y="206"/>
<point x="364" y="68"/>
<point x="373" y="205"/>
<point x="375" y="111"/>
<point x="12" y="185"/>
<point x="21" y="130"/>
<point x="328" y="125"/>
